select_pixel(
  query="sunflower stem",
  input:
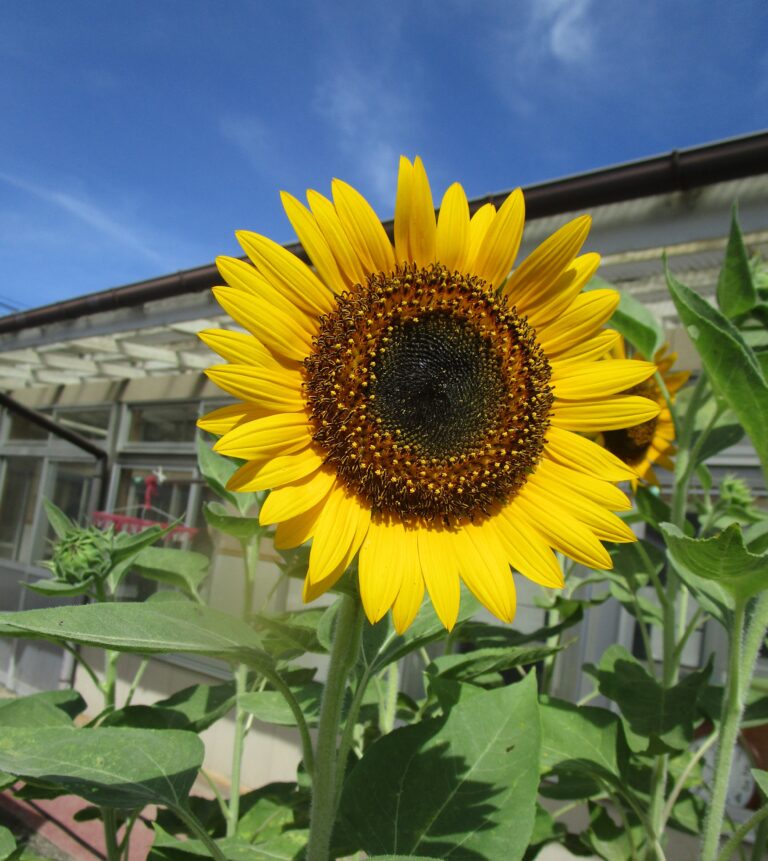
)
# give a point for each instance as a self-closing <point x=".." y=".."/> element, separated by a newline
<point x="344" y="654"/>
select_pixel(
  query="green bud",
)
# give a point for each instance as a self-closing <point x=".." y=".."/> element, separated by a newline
<point x="81" y="555"/>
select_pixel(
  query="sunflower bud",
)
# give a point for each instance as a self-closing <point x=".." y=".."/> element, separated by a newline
<point x="81" y="555"/>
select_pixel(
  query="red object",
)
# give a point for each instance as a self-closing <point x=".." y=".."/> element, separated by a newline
<point x="125" y="523"/>
<point x="150" y="489"/>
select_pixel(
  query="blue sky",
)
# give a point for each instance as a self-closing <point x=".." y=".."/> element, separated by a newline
<point x="136" y="137"/>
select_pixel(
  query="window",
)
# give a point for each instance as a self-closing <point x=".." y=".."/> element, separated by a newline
<point x="20" y="486"/>
<point x="163" y="423"/>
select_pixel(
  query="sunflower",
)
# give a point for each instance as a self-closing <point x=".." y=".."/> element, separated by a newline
<point x="649" y="443"/>
<point x="411" y="403"/>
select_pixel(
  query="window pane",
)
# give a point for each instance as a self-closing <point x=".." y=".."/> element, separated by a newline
<point x="90" y="423"/>
<point x="24" y="430"/>
<point x="172" y="423"/>
<point x="17" y="507"/>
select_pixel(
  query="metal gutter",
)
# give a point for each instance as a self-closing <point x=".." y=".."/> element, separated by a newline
<point x="678" y="170"/>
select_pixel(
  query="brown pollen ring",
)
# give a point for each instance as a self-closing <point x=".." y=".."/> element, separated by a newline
<point x="429" y="395"/>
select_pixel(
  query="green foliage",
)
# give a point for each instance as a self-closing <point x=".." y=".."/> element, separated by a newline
<point x="635" y="322"/>
<point x="123" y="768"/>
<point x="736" y="292"/>
<point x="7" y="843"/>
<point x="470" y="778"/>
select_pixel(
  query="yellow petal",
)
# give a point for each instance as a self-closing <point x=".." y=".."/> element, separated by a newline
<point x="313" y="589"/>
<point x="314" y="243"/>
<point x="298" y="530"/>
<point x="546" y="264"/>
<point x="452" y="241"/>
<point x="582" y="320"/>
<point x="583" y="380"/>
<point x="483" y="566"/>
<point x="601" y="523"/>
<point x="270" y="388"/>
<point x="478" y="227"/>
<point x="275" y="472"/>
<point x="590" y="487"/>
<point x="603" y="344"/>
<point x="218" y="422"/>
<point x="381" y="567"/>
<point x="550" y="301"/>
<point x="576" y="452"/>
<point x="403" y="207"/>
<point x="526" y="550"/>
<point x="297" y="498"/>
<point x="501" y="242"/>
<point x="248" y="280"/>
<point x="287" y="274"/>
<point x="559" y="528"/>
<point x="619" y="411"/>
<point x="281" y="333"/>
<point x="270" y="436"/>
<point x="441" y="573"/>
<point x="328" y="221"/>
<point x="411" y="594"/>
<point x="422" y="226"/>
<point x="363" y="228"/>
<point x="242" y="349"/>
<point x="336" y="530"/>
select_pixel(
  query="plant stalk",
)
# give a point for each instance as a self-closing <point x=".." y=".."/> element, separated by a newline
<point x="733" y="705"/>
<point x="344" y="653"/>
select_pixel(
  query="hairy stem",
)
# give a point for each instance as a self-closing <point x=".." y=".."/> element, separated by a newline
<point x="344" y="653"/>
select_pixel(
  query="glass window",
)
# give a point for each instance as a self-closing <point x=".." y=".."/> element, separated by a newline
<point x="23" y="430"/>
<point x="91" y="423"/>
<point x="163" y="423"/>
<point x="18" y="505"/>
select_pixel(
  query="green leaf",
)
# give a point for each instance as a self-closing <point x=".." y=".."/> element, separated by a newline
<point x="271" y="707"/>
<point x="468" y="667"/>
<point x="731" y="366"/>
<point x="150" y="628"/>
<point x="59" y="521"/>
<point x="194" y="709"/>
<point x="292" y="633"/>
<point x="467" y="781"/>
<point x="578" y="738"/>
<point x="651" y="507"/>
<point x="50" y="708"/>
<point x="736" y="292"/>
<point x="243" y="528"/>
<point x="124" y="768"/>
<point x="184" y="569"/>
<point x="59" y="589"/>
<point x="217" y="470"/>
<point x="282" y="847"/>
<point x="635" y="322"/>
<point x="657" y="719"/>
<point x="723" y="559"/>
<point x="7" y="843"/>
<point x="610" y="841"/>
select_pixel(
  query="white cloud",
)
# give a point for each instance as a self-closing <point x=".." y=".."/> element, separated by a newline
<point x="250" y="136"/>
<point x="366" y="116"/>
<point x="566" y="28"/>
<point x="87" y="213"/>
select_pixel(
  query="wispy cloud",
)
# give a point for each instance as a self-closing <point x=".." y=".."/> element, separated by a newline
<point x="89" y="214"/>
<point x="564" y="28"/>
<point x="365" y="115"/>
<point x="250" y="136"/>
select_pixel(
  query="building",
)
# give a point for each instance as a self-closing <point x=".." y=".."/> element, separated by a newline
<point x="101" y="393"/>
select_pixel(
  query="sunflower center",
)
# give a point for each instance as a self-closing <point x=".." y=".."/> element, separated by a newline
<point x="428" y="395"/>
<point x="439" y="385"/>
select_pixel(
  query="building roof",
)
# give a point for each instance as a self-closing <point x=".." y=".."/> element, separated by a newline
<point x="677" y="203"/>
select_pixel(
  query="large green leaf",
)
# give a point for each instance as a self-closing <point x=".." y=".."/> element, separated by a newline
<point x="60" y="589"/>
<point x="470" y="666"/>
<point x="723" y="559"/>
<point x="287" y="846"/>
<point x="184" y="569"/>
<point x="154" y="627"/>
<point x="463" y="788"/>
<point x="194" y="708"/>
<point x="7" y="843"/>
<point x="50" y="708"/>
<point x="635" y="322"/>
<point x="732" y="368"/>
<point x="736" y="292"/>
<point x="657" y="719"/>
<point x="271" y="707"/>
<point x="124" y="768"/>
<point x="292" y="633"/>
<point x="578" y="738"/>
